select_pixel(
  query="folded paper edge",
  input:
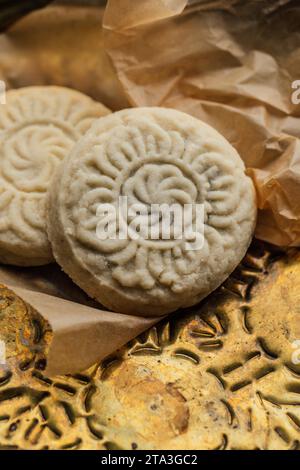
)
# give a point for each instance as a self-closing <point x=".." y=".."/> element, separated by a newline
<point x="82" y="335"/>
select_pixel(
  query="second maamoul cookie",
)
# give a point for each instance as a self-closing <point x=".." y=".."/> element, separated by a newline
<point x="38" y="128"/>
<point x="150" y="156"/>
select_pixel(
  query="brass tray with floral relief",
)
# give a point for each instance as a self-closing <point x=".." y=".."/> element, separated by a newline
<point x="223" y="375"/>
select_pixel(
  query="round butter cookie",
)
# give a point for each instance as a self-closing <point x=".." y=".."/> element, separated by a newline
<point x="38" y="128"/>
<point x="150" y="157"/>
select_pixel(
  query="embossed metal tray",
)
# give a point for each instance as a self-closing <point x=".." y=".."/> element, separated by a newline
<point x="223" y="375"/>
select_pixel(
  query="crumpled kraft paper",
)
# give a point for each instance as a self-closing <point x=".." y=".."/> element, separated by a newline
<point x="231" y="63"/>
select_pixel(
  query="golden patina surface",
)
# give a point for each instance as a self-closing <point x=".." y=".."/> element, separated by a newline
<point x="223" y="375"/>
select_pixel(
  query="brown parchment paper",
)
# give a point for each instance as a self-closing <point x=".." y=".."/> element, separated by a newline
<point x="230" y="63"/>
<point x="83" y="333"/>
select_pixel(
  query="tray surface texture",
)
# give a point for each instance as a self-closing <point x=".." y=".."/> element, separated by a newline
<point x="222" y="375"/>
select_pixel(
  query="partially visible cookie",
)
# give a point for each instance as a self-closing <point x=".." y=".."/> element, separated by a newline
<point x="38" y="128"/>
<point x="150" y="156"/>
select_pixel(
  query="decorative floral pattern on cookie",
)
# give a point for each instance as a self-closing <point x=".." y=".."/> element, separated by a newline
<point x="150" y="157"/>
<point x="38" y="128"/>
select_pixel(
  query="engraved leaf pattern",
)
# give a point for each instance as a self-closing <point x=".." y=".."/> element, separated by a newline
<point x="217" y="376"/>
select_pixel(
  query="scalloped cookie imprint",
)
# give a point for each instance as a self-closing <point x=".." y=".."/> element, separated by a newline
<point x="38" y="128"/>
<point x="151" y="156"/>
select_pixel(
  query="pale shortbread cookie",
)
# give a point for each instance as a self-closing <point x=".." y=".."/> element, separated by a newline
<point x="38" y="128"/>
<point x="150" y="155"/>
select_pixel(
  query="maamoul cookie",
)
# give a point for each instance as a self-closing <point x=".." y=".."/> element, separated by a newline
<point x="38" y="128"/>
<point x="151" y="156"/>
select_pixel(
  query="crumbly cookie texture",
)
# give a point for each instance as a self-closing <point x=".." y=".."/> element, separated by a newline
<point x="38" y="128"/>
<point x="152" y="156"/>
